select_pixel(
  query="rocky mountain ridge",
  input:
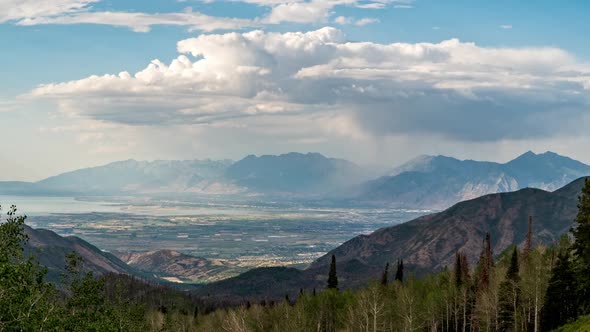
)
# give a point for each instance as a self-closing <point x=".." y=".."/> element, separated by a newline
<point x="437" y="182"/>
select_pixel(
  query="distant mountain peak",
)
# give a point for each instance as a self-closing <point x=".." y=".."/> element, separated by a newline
<point x="425" y="163"/>
<point x="295" y="172"/>
<point x="529" y="158"/>
<point x="440" y="181"/>
<point x="530" y="155"/>
<point x="553" y="155"/>
<point x="132" y="176"/>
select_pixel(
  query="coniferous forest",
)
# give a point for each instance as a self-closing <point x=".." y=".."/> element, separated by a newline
<point x="529" y="288"/>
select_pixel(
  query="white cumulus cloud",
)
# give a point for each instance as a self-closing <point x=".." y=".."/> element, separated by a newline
<point x="452" y="88"/>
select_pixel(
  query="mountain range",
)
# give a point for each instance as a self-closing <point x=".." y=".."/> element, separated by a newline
<point x="131" y="176"/>
<point x="295" y="173"/>
<point x="291" y="173"/>
<point x="428" y="182"/>
<point x="425" y="244"/>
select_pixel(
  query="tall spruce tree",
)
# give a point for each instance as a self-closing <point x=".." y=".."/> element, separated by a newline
<point x="581" y="246"/>
<point x="385" y="276"/>
<point x="399" y="273"/>
<point x="463" y="300"/>
<point x="528" y="243"/>
<point x="332" y="277"/>
<point x="465" y="268"/>
<point x="489" y="251"/>
<point x="458" y="271"/>
<point x="482" y="270"/>
<point x="485" y="264"/>
<point x="560" y="298"/>
<point x="461" y="270"/>
<point x="509" y="295"/>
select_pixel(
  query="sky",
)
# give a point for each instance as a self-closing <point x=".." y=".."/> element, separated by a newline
<point x="378" y="82"/>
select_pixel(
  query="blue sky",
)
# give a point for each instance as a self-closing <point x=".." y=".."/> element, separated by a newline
<point x="519" y="67"/>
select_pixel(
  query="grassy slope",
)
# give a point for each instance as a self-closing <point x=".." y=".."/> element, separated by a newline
<point x="580" y="325"/>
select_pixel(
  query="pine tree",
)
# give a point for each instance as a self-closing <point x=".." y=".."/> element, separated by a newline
<point x="529" y="285"/>
<point x="512" y="273"/>
<point x="399" y="273"/>
<point x="465" y="268"/>
<point x="461" y="270"/>
<point x="582" y="245"/>
<point x="485" y="308"/>
<point x="489" y="252"/>
<point x="528" y="243"/>
<point x="332" y="277"/>
<point x="458" y="271"/>
<point x="464" y="296"/>
<point x="485" y="264"/>
<point x="509" y="295"/>
<point x="385" y="276"/>
<point x="560" y="297"/>
<point x="482" y="270"/>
